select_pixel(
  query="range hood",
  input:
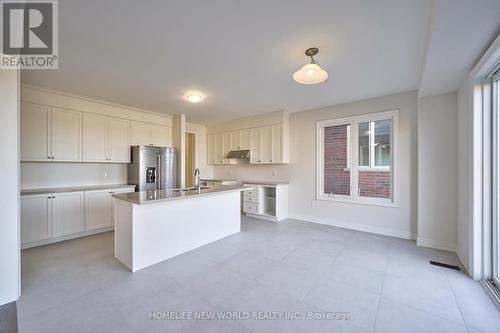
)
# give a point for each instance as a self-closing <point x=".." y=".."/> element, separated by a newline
<point x="242" y="154"/>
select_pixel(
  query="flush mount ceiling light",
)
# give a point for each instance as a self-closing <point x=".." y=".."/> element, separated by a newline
<point x="194" y="97"/>
<point x="311" y="73"/>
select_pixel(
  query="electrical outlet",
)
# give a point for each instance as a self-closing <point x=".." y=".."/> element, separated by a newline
<point x="275" y="172"/>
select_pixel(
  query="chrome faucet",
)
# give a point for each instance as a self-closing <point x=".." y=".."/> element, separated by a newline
<point x="197" y="185"/>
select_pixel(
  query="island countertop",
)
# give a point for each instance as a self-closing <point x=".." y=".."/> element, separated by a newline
<point x="153" y="196"/>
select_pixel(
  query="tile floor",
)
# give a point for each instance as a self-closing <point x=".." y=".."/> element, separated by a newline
<point x="385" y="284"/>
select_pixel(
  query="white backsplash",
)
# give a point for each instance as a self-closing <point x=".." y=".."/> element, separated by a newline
<point x="42" y="175"/>
<point x="279" y="172"/>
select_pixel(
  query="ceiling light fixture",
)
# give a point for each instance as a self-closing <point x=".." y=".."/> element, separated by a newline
<point x="194" y="98"/>
<point x="311" y="73"/>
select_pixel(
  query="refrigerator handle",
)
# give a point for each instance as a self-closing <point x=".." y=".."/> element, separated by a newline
<point x="159" y="181"/>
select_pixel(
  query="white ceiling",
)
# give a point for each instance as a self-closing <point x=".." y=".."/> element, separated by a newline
<point x="240" y="54"/>
<point x="460" y="30"/>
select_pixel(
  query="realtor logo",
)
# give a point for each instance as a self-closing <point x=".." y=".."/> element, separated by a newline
<point x="29" y="36"/>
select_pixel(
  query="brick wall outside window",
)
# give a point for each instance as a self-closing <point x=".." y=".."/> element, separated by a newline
<point x="337" y="179"/>
<point x="375" y="184"/>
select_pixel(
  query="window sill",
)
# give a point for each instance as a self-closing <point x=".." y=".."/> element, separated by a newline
<point x="363" y="168"/>
<point x="370" y="202"/>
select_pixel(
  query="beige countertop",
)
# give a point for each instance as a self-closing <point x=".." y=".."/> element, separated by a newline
<point x="146" y="197"/>
<point x="73" y="189"/>
<point x="253" y="182"/>
<point x="264" y="182"/>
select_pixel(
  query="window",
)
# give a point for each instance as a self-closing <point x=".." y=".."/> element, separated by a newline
<point x="358" y="170"/>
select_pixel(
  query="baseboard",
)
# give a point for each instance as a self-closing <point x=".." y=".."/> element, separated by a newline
<point x="459" y="255"/>
<point x="64" y="238"/>
<point x="361" y="227"/>
<point x="436" y="244"/>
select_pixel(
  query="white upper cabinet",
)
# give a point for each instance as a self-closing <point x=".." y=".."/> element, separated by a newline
<point x="160" y="136"/>
<point x="222" y="146"/>
<point x="139" y="133"/>
<point x="66" y="133"/>
<point x="105" y="139"/>
<point x="118" y="137"/>
<point x="50" y="134"/>
<point x="219" y="146"/>
<point x="277" y="144"/>
<point x="56" y="127"/>
<point x="211" y="149"/>
<point x="35" y="136"/>
<point x="94" y="138"/>
<point x="266" y="144"/>
<point x="236" y="140"/>
<point x="149" y="134"/>
<point x="246" y="137"/>
<point x="226" y="147"/>
<point x="255" y="146"/>
<point x="240" y="140"/>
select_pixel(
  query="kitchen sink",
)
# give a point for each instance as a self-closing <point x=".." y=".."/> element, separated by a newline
<point x="185" y="189"/>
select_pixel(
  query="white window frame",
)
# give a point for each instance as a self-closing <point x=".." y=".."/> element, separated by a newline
<point x="371" y="155"/>
<point x="353" y="155"/>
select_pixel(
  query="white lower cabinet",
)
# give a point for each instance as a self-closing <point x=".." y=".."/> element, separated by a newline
<point x="51" y="217"/>
<point x="99" y="208"/>
<point x="36" y="217"/>
<point x="265" y="201"/>
<point x="46" y="216"/>
<point x="67" y="213"/>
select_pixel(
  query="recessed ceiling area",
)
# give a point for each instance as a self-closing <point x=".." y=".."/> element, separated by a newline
<point x="240" y="54"/>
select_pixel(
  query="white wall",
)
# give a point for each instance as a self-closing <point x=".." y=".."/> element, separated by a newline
<point x="9" y="196"/>
<point x="437" y="171"/>
<point x="398" y="221"/>
<point x="464" y="179"/>
<point x="279" y="172"/>
<point x="43" y="175"/>
<point x="200" y="132"/>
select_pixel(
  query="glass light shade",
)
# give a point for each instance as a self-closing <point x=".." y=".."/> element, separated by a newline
<point x="310" y="74"/>
<point x="194" y="98"/>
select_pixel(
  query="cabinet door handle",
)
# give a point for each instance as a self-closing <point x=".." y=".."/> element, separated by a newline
<point x="48" y="157"/>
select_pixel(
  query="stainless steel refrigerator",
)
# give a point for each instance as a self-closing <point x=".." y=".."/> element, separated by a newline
<point x="152" y="168"/>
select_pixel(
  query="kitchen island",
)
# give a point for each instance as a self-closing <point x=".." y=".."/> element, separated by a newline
<point x="152" y="226"/>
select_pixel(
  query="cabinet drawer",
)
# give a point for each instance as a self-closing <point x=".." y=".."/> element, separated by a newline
<point x="251" y="199"/>
<point x="250" y="207"/>
<point x="251" y="193"/>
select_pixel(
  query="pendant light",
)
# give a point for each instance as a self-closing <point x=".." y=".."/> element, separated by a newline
<point x="311" y="73"/>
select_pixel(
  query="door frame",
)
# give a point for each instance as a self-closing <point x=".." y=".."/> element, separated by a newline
<point x="195" y="134"/>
